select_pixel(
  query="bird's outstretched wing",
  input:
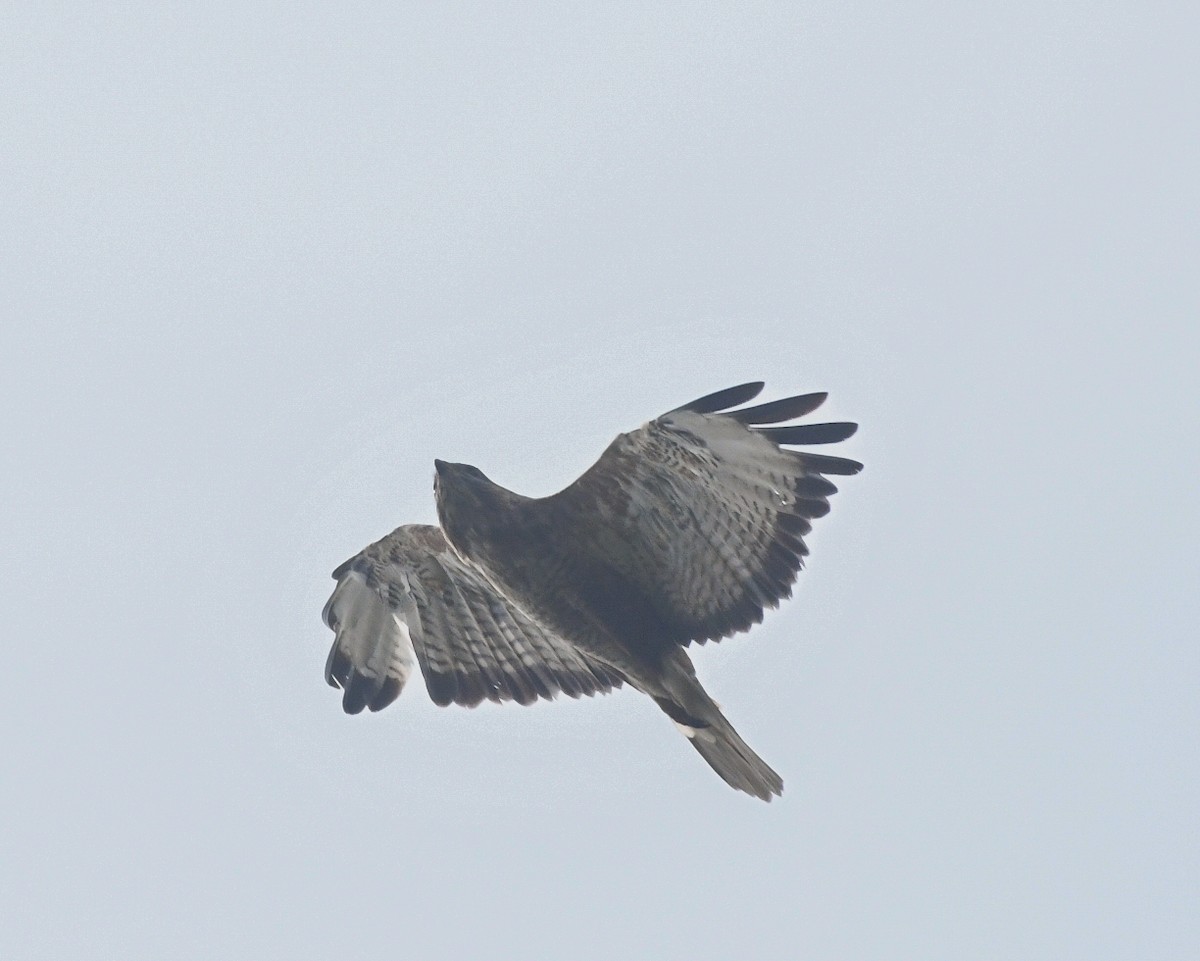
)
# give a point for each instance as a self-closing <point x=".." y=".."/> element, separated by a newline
<point x="705" y="508"/>
<point x="409" y="597"/>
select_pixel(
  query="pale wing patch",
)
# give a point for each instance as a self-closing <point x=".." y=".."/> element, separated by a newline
<point x="372" y="639"/>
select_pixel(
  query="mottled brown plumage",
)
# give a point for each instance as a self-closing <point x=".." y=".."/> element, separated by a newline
<point x="684" y="530"/>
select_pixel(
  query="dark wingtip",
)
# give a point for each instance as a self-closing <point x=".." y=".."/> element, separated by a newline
<point x="723" y="399"/>
<point x="810" y="433"/>
<point x="355" y="697"/>
<point x="442" y="688"/>
<point x="387" y="693"/>
<point x="777" y="411"/>
<point x="337" y="667"/>
<point x="813" y="485"/>
<point x="470" y="690"/>
<point x="823" y="464"/>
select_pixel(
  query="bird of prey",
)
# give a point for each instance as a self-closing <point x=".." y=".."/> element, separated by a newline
<point x="685" y="530"/>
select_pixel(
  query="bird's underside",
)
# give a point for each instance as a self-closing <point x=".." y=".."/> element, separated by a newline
<point x="684" y="530"/>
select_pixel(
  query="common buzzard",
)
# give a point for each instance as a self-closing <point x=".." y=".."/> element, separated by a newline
<point x="684" y="530"/>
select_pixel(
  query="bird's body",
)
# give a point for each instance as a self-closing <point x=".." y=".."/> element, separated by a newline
<point x="684" y="530"/>
<point x="567" y="579"/>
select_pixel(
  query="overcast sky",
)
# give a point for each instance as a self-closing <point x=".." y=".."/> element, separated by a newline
<point x="259" y="265"/>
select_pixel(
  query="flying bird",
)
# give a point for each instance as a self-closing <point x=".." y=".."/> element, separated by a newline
<point x="685" y="530"/>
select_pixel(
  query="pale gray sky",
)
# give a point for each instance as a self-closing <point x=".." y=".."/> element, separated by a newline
<point x="261" y="264"/>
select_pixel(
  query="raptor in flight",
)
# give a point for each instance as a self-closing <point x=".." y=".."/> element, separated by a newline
<point x="685" y="530"/>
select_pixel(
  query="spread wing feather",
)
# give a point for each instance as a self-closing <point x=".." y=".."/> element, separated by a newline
<point x="777" y="411"/>
<point x="723" y="399"/>
<point x="707" y="513"/>
<point x="409" y="598"/>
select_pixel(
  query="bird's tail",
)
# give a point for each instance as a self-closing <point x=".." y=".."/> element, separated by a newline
<point x="701" y="720"/>
<point x="732" y="758"/>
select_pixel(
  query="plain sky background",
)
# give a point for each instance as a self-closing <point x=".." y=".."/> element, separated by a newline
<point x="262" y="263"/>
